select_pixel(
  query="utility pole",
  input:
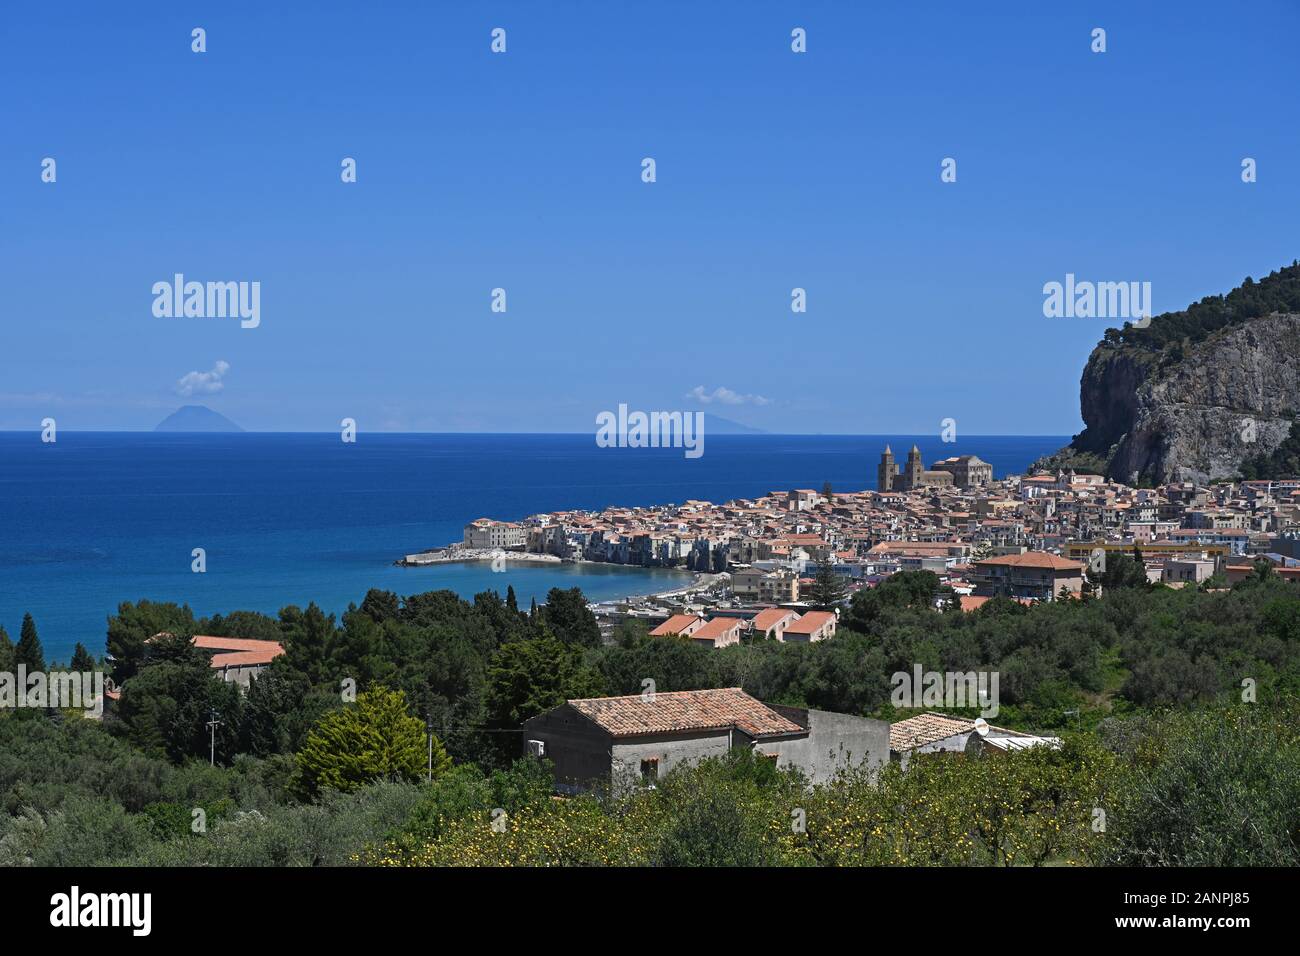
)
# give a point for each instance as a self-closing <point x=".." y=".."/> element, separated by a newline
<point x="428" y="731"/>
<point x="213" y="723"/>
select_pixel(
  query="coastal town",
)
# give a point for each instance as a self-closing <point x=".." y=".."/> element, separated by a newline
<point x="681" y="439"/>
<point x="1030" y="537"/>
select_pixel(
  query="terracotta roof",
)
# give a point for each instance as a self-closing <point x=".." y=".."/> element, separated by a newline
<point x="675" y="625"/>
<point x="234" y="643"/>
<point x="718" y="627"/>
<point x="247" y="658"/>
<point x="1034" y="559"/>
<point x="810" y="622"/>
<point x="771" y="616"/>
<point x="241" y="652"/>
<point x="238" y="651"/>
<point x="676" y="711"/>
<point x="971" y="602"/>
<point x="926" y="729"/>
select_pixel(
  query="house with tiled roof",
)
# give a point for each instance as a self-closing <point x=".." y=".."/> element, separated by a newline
<point x="719" y="632"/>
<point x="927" y="732"/>
<point x="681" y="625"/>
<point x="937" y="733"/>
<point x="813" y="626"/>
<point x="236" y="660"/>
<point x="636" y="740"/>
<point x="1033" y="574"/>
<point x="771" y="622"/>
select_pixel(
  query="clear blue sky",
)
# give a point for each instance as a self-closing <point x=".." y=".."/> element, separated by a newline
<point x="522" y="171"/>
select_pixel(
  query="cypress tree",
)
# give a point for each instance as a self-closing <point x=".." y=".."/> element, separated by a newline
<point x="82" y="662"/>
<point x="29" y="650"/>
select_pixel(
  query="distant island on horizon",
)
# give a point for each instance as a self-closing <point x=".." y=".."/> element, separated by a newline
<point x="196" y="418"/>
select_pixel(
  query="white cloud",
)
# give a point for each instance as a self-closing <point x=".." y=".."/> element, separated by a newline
<point x="725" y="396"/>
<point x="203" y="383"/>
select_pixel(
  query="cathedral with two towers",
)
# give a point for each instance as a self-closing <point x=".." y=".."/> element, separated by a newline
<point x="963" y="471"/>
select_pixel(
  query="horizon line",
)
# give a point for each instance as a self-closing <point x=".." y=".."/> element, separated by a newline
<point x="746" y="434"/>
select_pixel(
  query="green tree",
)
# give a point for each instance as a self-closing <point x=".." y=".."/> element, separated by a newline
<point x="381" y="606"/>
<point x="827" y="588"/>
<point x="1261" y="572"/>
<point x="672" y="662"/>
<point x="1211" y="788"/>
<point x="567" y="615"/>
<point x="527" y="678"/>
<point x="274" y="709"/>
<point x="7" y="660"/>
<point x="247" y="624"/>
<point x="374" y="738"/>
<point x="727" y="811"/>
<point x="130" y="629"/>
<point x="713" y="830"/>
<point x="1123" y="571"/>
<point x="309" y="638"/>
<point x="874" y="607"/>
<point x="29" y="650"/>
<point x="167" y="705"/>
<point x="82" y="662"/>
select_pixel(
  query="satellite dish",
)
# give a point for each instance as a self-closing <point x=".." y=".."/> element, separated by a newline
<point x="981" y="726"/>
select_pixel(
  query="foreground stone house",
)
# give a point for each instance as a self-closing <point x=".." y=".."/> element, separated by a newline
<point x="625" y="741"/>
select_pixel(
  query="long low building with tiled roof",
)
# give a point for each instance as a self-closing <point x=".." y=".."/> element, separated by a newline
<point x="676" y="711"/>
<point x="626" y="741"/>
<point x="237" y="660"/>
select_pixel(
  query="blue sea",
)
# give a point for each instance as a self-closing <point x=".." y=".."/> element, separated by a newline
<point x="98" y="518"/>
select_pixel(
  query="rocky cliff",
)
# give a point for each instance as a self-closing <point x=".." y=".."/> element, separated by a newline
<point x="1194" y="397"/>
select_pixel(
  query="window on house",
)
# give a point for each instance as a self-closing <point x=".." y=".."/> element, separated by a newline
<point x="650" y="770"/>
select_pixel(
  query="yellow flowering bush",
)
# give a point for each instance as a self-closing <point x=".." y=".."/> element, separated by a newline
<point x="1030" y="808"/>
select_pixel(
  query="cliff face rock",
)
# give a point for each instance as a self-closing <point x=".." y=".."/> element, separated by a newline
<point x="1108" y="395"/>
<point x="1228" y="397"/>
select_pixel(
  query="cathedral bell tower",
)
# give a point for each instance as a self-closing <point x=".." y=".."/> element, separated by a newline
<point x="885" y="471"/>
<point x="912" y="476"/>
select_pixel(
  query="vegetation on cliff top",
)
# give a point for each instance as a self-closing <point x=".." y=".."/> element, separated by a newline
<point x="1165" y="342"/>
<point x="1175" y="331"/>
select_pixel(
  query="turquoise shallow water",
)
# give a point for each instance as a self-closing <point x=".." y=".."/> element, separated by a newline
<point x="100" y="518"/>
